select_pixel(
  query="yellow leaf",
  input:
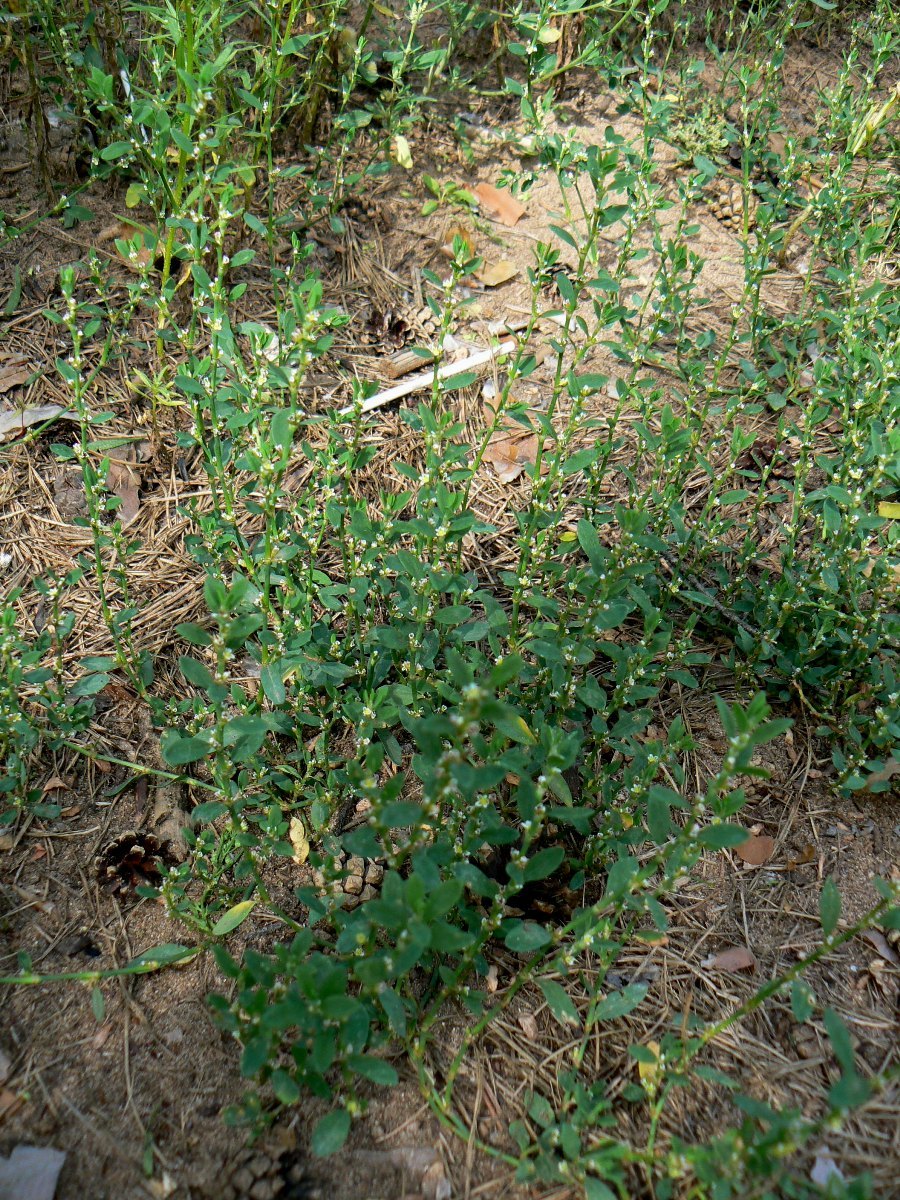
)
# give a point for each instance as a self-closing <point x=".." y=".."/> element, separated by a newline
<point x="569" y="536"/>
<point x="134" y="195"/>
<point x="891" y="511"/>
<point x="402" y="153"/>
<point x="299" y="841"/>
<point x="650" y="1072"/>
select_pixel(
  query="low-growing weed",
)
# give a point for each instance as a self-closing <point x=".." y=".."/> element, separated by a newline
<point x="700" y="499"/>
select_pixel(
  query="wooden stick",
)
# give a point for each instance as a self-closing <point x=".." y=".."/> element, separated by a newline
<point x="417" y="382"/>
<point x="405" y="361"/>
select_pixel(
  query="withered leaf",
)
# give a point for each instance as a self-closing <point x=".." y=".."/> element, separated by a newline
<point x="509" y="454"/>
<point x="500" y="203"/>
<point x="493" y="274"/>
<point x="806" y="855"/>
<point x="458" y="231"/>
<point x="512" y="447"/>
<point x="882" y="946"/>
<point x="16" y="422"/>
<point x="135" y="246"/>
<point x="299" y="841"/>
<point x="649" y="1072"/>
<point x="756" y="850"/>
<point x="733" y="958"/>
<point x="123" y="480"/>
<point x="14" y="372"/>
<point x="529" y="1026"/>
<point x="435" y="1185"/>
<point x="31" y="1172"/>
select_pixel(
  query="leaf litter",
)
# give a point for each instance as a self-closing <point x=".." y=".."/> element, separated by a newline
<point x="499" y="203"/>
<point x="30" y="1173"/>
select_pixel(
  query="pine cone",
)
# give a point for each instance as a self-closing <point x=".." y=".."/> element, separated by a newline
<point x="360" y="879"/>
<point x="727" y="205"/>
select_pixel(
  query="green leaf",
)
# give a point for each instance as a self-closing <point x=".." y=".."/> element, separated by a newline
<point x="559" y="1002"/>
<point x="164" y="956"/>
<point x="590" y="544"/>
<point x="466" y="379"/>
<point x="514" y="727"/>
<point x="839" y="1037"/>
<point x="330" y="1133"/>
<point x="195" y="672"/>
<point x="115" y="150"/>
<point x="544" y="863"/>
<point x="231" y="919"/>
<point x="374" y="1069"/>
<point x="659" y="819"/>
<point x="619" y="1004"/>
<point x="178" y="750"/>
<point x="829" y="907"/>
<point x="718" y="837"/>
<point x="527" y="936"/>
<point x="211" y="810"/>
<point x="89" y="685"/>
<point x="596" y="1189"/>
<point x="272" y="683"/>
<point x="285" y="1087"/>
<point x="801" y="1000"/>
<point x="394" y="1009"/>
<point x="98" y="1004"/>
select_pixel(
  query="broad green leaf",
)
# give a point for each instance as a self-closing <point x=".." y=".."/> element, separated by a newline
<point x="330" y="1133"/>
<point x="178" y="750"/>
<point x="559" y="1002"/>
<point x="619" y="1004"/>
<point x="543" y="863"/>
<point x="526" y="937"/>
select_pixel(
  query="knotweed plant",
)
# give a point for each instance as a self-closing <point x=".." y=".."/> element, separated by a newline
<point x="480" y="732"/>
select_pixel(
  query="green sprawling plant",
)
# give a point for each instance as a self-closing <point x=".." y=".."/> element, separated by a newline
<point x="491" y="728"/>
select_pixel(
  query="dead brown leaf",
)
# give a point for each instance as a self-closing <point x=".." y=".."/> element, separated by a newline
<point x="499" y="203"/>
<point x="124" y="480"/>
<point x="882" y="946"/>
<point x="458" y="231"/>
<point x="733" y="958"/>
<point x="529" y="1026"/>
<point x="511" y="448"/>
<point x="493" y="274"/>
<point x="136" y="247"/>
<point x="31" y="1173"/>
<point x="510" y="453"/>
<point x="890" y="768"/>
<point x="756" y="850"/>
<point x="16" y="422"/>
<point x="435" y="1184"/>
<point x="14" y="372"/>
<point x="806" y="855"/>
<point x="10" y="1102"/>
<point x="55" y="783"/>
